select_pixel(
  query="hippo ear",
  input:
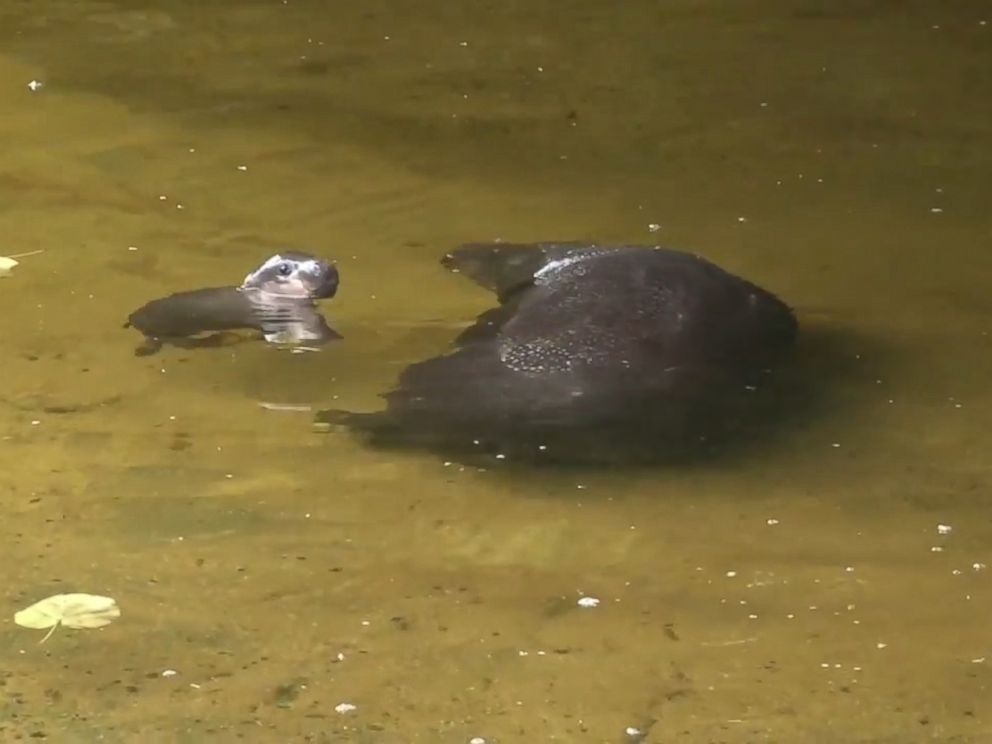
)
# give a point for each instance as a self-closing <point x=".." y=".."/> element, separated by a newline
<point x="505" y="268"/>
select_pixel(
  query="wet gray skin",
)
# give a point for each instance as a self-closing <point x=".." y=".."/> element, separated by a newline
<point x="277" y="299"/>
<point x="594" y="354"/>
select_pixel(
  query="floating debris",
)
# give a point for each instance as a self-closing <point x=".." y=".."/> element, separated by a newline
<point x="70" y="610"/>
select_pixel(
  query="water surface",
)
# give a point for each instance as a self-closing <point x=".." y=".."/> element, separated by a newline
<point x="840" y="156"/>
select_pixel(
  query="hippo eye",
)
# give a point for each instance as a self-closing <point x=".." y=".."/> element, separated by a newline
<point x="285" y="269"/>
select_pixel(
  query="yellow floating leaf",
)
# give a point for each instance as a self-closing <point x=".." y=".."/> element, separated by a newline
<point x="70" y="610"/>
<point x="9" y="262"/>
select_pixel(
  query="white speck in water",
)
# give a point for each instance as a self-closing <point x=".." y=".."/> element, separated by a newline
<point x="742" y="219"/>
<point x="654" y="227"/>
<point x="476" y="740"/>
<point x="192" y="149"/>
<point x="366" y="623"/>
<point x="944" y="529"/>
<point x="463" y="43"/>
<point x="731" y="574"/>
<point x="631" y="731"/>
<point x="979" y="660"/>
<point x="849" y="569"/>
<point x="588" y="602"/>
<point x="835" y="444"/>
<point x="35" y="85"/>
<point x="132" y="247"/>
<point x="790" y="616"/>
<point x="764" y="104"/>
<point x="772" y="521"/>
<point x="936" y="210"/>
<point x="936" y="549"/>
<point x="162" y="197"/>
<point x="345" y="707"/>
<point x="242" y="167"/>
<point x="752" y="617"/>
<point x="35" y="422"/>
<point x="956" y="572"/>
<point x="978" y="566"/>
<point x="881" y="645"/>
<point x="179" y="206"/>
<point x="169" y="673"/>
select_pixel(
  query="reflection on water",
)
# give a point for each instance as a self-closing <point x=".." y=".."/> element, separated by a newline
<point x="839" y="157"/>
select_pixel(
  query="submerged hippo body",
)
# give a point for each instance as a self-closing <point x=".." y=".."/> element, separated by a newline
<point x="277" y="299"/>
<point x="595" y="353"/>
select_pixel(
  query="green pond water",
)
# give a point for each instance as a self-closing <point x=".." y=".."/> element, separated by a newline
<point x="839" y="154"/>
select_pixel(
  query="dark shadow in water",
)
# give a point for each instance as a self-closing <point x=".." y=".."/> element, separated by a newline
<point x="822" y="382"/>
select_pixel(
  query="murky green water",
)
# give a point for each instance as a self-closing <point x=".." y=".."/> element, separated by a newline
<point x="839" y="154"/>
